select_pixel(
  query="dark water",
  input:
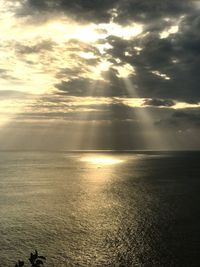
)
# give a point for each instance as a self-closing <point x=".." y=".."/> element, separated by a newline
<point x="101" y="209"/>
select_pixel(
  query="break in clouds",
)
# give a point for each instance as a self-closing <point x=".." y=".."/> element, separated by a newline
<point x="104" y="74"/>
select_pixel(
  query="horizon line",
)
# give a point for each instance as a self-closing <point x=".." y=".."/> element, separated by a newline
<point x="98" y="150"/>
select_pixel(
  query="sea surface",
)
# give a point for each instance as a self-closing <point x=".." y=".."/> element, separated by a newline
<point x="100" y="208"/>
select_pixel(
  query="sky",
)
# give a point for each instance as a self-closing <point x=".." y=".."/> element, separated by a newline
<point x="91" y="74"/>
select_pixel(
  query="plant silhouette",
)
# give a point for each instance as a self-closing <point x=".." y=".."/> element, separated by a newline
<point x="19" y="264"/>
<point x="35" y="260"/>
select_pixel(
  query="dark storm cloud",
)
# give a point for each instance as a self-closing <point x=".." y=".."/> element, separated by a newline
<point x="111" y="86"/>
<point x="175" y="57"/>
<point x="88" y="10"/>
<point x="101" y="10"/>
<point x="159" y="102"/>
<point x="191" y="117"/>
<point x="164" y="68"/>
<point x="182" y="119"/>
<point x="146" y="11"/>
<point x="87" y="87"/>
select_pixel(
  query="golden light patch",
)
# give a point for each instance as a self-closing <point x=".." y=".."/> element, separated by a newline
<point x="162" y="75"/>
<point x="125" y="70"/>
<point x="102" y="160"/>
<point x="171" y="30"/>
<point x="126" y="32"/>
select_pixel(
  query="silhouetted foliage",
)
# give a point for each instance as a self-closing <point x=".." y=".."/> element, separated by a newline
<point x="35" y="260"/>
<point x="19" y="264"/>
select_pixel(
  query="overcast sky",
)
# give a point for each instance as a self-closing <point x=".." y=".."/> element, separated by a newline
<point x="99" y="74"/>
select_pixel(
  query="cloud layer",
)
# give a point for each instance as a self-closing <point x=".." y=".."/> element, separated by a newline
<point x="126" y="69"/>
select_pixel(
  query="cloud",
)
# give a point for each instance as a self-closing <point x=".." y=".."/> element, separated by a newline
<point x="40" y="46"/>
<point x="184" y="119"/>
<point x="12" y="94"/>
<point x="160" y="63"/>
<point x="146" y="11"/>
<point x="110" y="87"/>
<point x="67" y="72"/>
<point x="103" y="11"/>
<point x="159" y="102"/>
<point x="96" y="11"/>
<point x="164" y="68"/>
<point x="190" y="117"/>
<point x="6" y="74"/>
<point x="85" y="87"/>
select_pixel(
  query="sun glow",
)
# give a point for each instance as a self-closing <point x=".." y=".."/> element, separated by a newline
<point x="127" y="32"/>
<point x="102" y="160"/>
<point x="91" y="33"/>
<point x="171" y="30"/>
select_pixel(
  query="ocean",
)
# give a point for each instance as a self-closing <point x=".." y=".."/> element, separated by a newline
<point x="100" y="208"/>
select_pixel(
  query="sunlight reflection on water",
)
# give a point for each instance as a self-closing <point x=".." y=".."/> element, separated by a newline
<point x="102" y="160"/>
<point x="99" y="209"/>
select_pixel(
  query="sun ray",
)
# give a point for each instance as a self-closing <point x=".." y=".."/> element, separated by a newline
<point x="153" y="139"/>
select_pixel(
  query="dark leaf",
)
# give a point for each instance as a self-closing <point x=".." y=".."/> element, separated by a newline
<point x="38" y="263"/>
<point x="41" y="257"/>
